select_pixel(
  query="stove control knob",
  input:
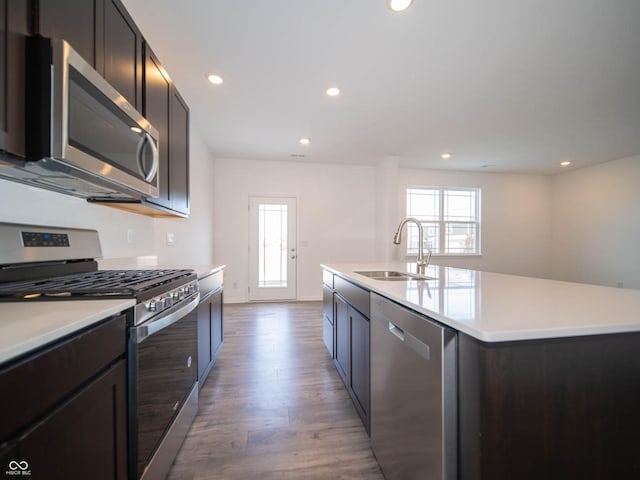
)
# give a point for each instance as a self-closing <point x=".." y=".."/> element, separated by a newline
<point x="151" y="306"/>
<point x="175" y="296"/>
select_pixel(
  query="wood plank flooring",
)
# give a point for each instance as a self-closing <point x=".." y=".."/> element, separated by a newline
<point x="273" y="406"/>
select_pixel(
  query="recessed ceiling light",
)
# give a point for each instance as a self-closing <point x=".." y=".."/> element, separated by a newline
<point x="566" y="163"/>
<point x="399" y="5"/>
<point x="215" y="79"/>
<point x="305" y="141"/>
<point x="333" y="91"/>
<point x="445" y="156"/>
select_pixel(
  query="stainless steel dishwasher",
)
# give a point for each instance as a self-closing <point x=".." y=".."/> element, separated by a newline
<point x="413" y="394"/>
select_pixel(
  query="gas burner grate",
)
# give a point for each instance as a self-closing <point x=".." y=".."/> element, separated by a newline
<point x="112" y="283"/>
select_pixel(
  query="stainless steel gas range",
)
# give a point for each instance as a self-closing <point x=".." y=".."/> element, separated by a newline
<point x="39" y="263"/>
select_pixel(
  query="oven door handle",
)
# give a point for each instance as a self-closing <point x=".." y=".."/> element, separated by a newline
<point x="141" y="333"/>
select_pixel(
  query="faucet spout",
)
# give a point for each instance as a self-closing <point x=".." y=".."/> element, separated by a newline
<point x="421" y="262"/>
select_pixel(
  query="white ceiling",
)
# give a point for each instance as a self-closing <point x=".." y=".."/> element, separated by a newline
<point x="504" y="85"/>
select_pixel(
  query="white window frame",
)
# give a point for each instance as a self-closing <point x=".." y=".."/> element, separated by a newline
<point x="442" y="223"/>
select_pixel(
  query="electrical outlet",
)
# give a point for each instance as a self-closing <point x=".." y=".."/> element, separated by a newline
<point x="170" y="239"/>
<point x="130" y="235"/>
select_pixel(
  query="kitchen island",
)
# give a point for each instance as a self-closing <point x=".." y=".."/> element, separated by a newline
<point x="547" y="372"/>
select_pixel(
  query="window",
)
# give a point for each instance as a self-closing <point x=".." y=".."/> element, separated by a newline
<point x="450" y="218"/>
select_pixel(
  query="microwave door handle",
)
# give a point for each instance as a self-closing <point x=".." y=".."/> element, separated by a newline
<point x="154" y="155"/>
<point x="141" y="333"/>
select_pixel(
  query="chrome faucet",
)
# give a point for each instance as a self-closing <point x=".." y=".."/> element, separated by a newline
<point x="397" y="238"/>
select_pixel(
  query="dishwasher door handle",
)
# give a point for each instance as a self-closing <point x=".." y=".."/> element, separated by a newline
<point x="410" y="341"/>
<point x="397" y="331"/>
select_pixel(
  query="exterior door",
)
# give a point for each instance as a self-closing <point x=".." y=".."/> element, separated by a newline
<point x="273" y="251"/>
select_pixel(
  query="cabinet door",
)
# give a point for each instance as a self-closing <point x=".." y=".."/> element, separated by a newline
<point x="360" y="360"/>
<point x="327" y="320"/>
<point x="86" y="436"/>
<point x="204" y="340"/>
<point x="157" y="101"/>
<point x="74" y="21"/>
<point x="3" y="72"/>
<point x="342" y="341"/>
<point x="210" y="334"/>
<point x="179" y="154"/>
<point x="217" y="325"/>
<point x="13" y="31"/>
<point x="122" y="53"/>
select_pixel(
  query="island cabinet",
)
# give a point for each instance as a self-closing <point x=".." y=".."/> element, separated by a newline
<point x="13" y="32"/>
<point x="352" y="342"/>
<point x="103" y="33"/>
<point x="64" y="411"/>
<point x="553" y="409"/>
<point x="327" y="317"/>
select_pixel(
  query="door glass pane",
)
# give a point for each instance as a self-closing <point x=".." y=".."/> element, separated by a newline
<point x="272" y="245"/>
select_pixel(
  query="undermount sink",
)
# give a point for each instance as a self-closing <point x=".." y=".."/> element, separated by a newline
<point x="391" y="275"/>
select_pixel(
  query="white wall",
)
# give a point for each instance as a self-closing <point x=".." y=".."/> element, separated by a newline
<point x="515" y="219"/>
<point x="344" y="214"/>
<point x="22" y="204"/>
<point x="336" y="216"/>
<point x="596" y="224"/>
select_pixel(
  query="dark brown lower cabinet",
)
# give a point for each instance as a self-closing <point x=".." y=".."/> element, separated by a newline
<point x="352" y="354"/>
<point x="64" y="408"/>
<point x="210" y="333"/>
<point x="327" y="320"/>
<point x="343" y="338"/>
<point x="85" y="437"/>
<point x="550" y="409"/>
<point x="360" y="363"/>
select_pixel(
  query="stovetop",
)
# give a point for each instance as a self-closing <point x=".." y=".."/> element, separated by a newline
<point x="139" y="284"/>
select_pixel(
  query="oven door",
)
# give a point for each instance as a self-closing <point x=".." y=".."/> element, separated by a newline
<point x="162" y="372"/>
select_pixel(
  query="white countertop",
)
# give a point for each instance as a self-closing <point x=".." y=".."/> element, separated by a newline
<point x="26" y="326"/>
<point x="495" y="307"/>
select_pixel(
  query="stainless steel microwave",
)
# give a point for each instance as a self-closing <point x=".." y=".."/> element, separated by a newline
<point x="83" y="138"/>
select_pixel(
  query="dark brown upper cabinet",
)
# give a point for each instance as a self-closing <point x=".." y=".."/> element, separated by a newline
<point x="167" y="112"/>
<point x="106" y="36"/>
<point x="179" y="154"/>
<point x="156" y="109"/>
<point x="13" y="32"/>
<point x="122" y="53"/>
<point x="53" y="20"/>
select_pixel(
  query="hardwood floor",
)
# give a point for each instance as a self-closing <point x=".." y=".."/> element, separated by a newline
<point x="274" y="406"/>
